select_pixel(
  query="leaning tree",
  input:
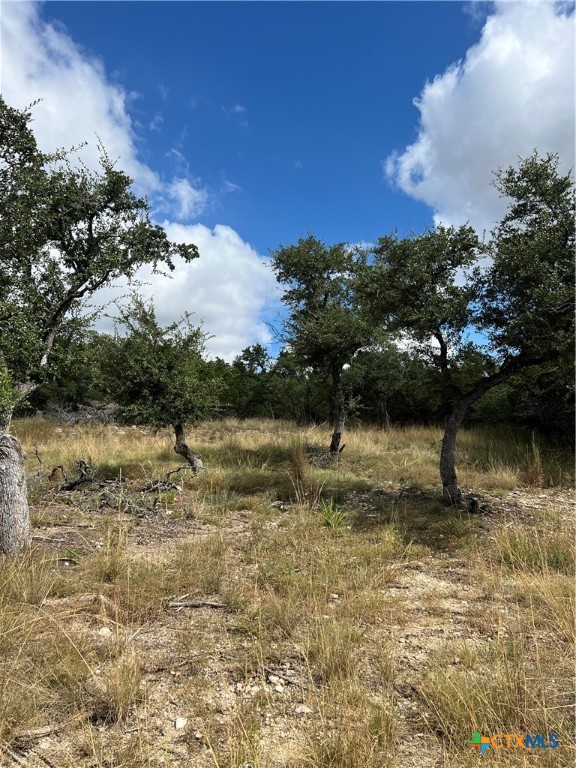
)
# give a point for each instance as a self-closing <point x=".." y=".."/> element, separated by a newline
<point x="486" y="312"/>
<point x="65" y="232"/>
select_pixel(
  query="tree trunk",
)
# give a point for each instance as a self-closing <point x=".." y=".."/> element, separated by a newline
<point x="339" y="412"/>
<point x="448" y="475"/>
<point x="14" y="513"/>
<point x="182" y="449"/>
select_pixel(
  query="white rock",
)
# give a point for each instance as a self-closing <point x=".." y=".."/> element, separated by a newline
<point x="302" y="709"/>
<point x="273" y="679"/>
<point x="180" y="723"/>
<point x="104" y="631"/>
<point x="279" y="688"/>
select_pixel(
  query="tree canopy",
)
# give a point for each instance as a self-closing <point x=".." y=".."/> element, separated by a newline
<point x="65" y="232"/>
<point x="157" y="375"/>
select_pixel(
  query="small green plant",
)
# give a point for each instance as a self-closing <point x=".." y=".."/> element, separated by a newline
<point x="330" y="515"/>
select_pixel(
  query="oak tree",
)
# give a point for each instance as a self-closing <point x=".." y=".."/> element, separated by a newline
<point x="65" y="232"/>
<point x="324" y="328"/>
<point x="158" y="376"/>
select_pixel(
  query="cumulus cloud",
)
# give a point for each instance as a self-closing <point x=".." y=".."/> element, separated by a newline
<point x="227" y="288"/>
<point x="229" y="285"/>
<point x="512" y="93"/>
<point x="40" y="61"/>
<point x="80" y="104"/>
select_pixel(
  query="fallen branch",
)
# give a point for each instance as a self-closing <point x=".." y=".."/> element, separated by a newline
<point x="178" y="469"/>
<point x="178" y="665"/>
<point x="160" y="485"/>
<point x="85" y="475"/>
<point x="32" y="734"/>
<point x="12" y="755"/>
<point x="182" y="602"/>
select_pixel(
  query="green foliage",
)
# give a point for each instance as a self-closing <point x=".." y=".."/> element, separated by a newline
<point x="527" y="295"/>
<point x="392" y="386"/>
<point x="325" y="328"/>
<point x="248" y="386"/>
<point x="8" y="395"/>
<point x="330" y="515"/>
<point x="415" y="286"/>
<point x="65" y="232"/>
<point x="157" y="375"/>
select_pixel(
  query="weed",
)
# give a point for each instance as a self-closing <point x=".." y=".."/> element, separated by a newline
<point x="535" y="471"/>
<point x="504" y="691"/>
<point x="330" y="515"/>
<point x="241" y="745"/>
<point x="353" y="733"/>
<point x="109" y="562"/>
<point x="116" y="691"/>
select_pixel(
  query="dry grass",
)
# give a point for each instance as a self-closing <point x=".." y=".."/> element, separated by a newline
<point x="332" y="613"/>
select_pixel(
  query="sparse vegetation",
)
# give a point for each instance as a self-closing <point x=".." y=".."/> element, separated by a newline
<point x="278" y="611"/>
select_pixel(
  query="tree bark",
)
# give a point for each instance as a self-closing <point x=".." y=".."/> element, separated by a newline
<point x="183" y="450"/>
<point x="448" y="475"/>
<point x="339" y="412"/>
<point x="14" y="514"/>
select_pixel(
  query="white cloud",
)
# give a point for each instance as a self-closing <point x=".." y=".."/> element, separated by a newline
<point x="513" y="93"/>
<point x="229" y="285"/>
<point x="40" y="61"/>
<point x="157" y="122"/>
<point x="237" y="112"/>
<point x="230" y="187"/>
<point x="190" y="201"/>
<point x="80" y="104"/>
<point x="227" y="289"/>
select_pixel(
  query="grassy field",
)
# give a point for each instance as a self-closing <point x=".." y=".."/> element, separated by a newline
<point x="283" y="609"/>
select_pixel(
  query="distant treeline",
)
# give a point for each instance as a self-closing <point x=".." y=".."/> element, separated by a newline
<point x="384" y="387"/>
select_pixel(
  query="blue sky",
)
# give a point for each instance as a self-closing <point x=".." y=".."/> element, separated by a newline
<point x="285" y="111"/>
<point x="250" y="124"/>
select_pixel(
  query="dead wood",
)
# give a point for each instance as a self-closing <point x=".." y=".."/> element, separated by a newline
<point x="32" y="734"/>
<point x="184" y="602"/>
<point x="85" y="475"/>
